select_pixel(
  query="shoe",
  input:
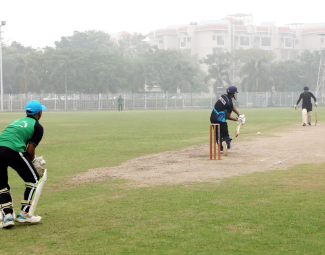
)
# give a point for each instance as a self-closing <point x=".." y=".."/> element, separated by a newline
<point x="225" y="149"/>
<point x="304" y="124"/>
<point x="23" y="217"/>
<point x="309" y="124"/>
<point x="8" y="221"/>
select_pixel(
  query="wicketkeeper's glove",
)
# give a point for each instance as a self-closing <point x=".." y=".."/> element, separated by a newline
<point x="38" y="163"/>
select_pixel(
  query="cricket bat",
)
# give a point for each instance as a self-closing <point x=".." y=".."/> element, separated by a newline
<point x="37" y="194"/>
<point x="316" y="115"/>
<point x="238" y="127"/>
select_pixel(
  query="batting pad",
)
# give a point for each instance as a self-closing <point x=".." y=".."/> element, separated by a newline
<point x="304" y="116"/>
<point x="309" y="116"/>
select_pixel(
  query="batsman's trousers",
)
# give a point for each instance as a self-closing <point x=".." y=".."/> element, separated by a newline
<point x="20" y="162"/>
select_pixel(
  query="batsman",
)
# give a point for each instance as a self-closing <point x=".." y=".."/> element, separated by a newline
<point x="307" y="106"/>
<point x="221" y="112"/>
<point x="17" y="150"/>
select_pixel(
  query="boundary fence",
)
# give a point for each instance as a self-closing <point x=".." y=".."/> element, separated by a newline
<point x="146" y="101"/>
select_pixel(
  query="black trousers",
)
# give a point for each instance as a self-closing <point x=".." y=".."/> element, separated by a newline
<point x="120" y="107"/>
<point x="224" y="134"/>
<point x="308" y="107"/>
<point x="20" y="162"/>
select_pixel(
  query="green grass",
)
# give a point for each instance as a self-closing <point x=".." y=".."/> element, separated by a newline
<point x="276" y="212"/>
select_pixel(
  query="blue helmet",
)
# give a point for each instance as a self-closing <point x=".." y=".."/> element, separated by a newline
<point x="306" y="88"/>
<point x="232" y="90"/>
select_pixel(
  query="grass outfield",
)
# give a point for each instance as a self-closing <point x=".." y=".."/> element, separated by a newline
<point x="275" y="212"/>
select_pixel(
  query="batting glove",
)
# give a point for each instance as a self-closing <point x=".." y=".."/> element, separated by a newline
<point x="316" y="104"/>
<point x="242" y="118"/>
<point x="296" y="106"/>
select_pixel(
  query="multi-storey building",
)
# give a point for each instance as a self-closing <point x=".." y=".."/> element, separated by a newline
<point x="237" y="31"/>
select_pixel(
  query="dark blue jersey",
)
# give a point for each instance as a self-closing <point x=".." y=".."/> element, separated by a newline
<point x="223" y="106"/>
<point x="306" y="98"/>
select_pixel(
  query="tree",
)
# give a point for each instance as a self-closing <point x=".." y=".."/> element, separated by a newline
<point x="287" y="75"/>
<point x="224" y="68"/>
<point x="132" y="45"/>
<point x="172" y="70"/>
<point x="27" y="78"/>
<point x="310" y="67"/>
<point x="220" y="69"/>
<point x="90" y="40"/>
<point x="255" y="76"/>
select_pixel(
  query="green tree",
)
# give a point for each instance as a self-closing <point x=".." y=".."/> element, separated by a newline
<point x="287" y="75"/>
<point x="132" y="45"/>
<point x="90" y="40"/>
<point x="26" y="77"/>
<point x="172" y="70"/>
<point x="310" y="67"/>
<point x="220" y="69"/>
<point x="255" y="76"/>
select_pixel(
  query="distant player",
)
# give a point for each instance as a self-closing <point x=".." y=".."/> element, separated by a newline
<point x="307" y="106"/>
<point x="120" y="103"/>
<point x="220" y="113"/>
<point x="17" y="150"/>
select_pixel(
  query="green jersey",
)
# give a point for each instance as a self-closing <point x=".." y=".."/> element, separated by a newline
<point x="120" y="100"/>
<point x="20" y="132"/>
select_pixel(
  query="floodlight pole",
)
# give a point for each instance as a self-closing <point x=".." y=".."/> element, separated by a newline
<point x="1" y="79"/>
<point x="321" y="74"/>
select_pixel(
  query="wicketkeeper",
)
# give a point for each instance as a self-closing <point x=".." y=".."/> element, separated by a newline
<point x="307" y="106"/>
<point x="220" y="113"/>
<point x="17" y="150"/>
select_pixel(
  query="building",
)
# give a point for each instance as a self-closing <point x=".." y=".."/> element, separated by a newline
<point x="237" y="31"/>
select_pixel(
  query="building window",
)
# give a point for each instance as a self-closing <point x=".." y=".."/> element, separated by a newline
<point x="297" y="41"/>
<point x="216" y="50"/>
<point x="288" y="42"/>
<point x="188" y="39"/>
<point x="244" y="41"/>
<point x="214" y="38"/>
<point x="160" y="41"/>
<point x="265" y="41"/>
<point x="183" y="42"/>
<point x="322" y="40"/>
<point x="220" y="40"/>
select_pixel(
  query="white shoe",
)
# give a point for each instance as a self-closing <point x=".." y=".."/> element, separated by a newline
<point x="225" y="148"/>
<point x="7" y="222"/>
<point x="23" y="217"/>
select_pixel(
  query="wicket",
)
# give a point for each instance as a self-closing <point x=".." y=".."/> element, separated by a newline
<point x="213" y="127"/>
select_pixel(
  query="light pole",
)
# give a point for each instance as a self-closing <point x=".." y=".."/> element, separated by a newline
<point x="320" y="87"/>
<point x="1" y="79"/>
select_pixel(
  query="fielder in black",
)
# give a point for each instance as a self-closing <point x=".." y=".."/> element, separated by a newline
<point x="220" y="113"/>
<point x="307" y="106"/>
<point x="17" y="150"/>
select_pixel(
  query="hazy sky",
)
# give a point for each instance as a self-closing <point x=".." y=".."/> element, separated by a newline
<point x="39" y="23"/>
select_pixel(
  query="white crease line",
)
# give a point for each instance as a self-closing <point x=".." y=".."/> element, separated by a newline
<point x="264" y="159"/>
<point x="280" y="161"/>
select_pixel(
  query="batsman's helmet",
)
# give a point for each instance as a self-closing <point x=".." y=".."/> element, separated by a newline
<point x="306" y="88"/>
<point x="232" y="90"/>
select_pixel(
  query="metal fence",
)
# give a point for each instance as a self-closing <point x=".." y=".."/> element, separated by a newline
<point x="146" y="101"/>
